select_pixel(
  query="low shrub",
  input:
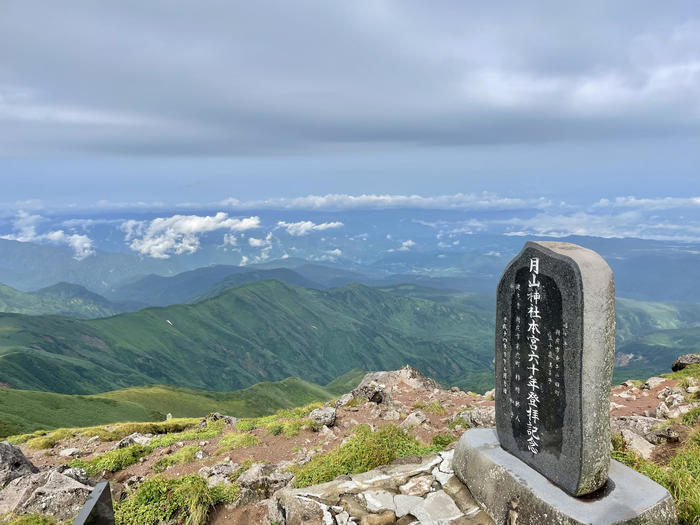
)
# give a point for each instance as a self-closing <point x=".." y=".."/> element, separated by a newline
<point x="364" y="451"/>
<point x="440" y="441"/>
<point x="183" y="500"/>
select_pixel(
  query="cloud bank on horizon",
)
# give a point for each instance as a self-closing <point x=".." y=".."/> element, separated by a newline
<point x="454" y="216"/>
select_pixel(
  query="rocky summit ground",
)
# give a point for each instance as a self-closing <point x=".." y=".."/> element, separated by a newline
<point x="378" y="455"/>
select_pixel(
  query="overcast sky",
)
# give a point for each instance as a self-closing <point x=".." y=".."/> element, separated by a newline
<point x="175" y="101"/>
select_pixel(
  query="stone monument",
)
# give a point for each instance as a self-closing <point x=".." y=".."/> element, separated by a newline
<point x="548" y="461"/>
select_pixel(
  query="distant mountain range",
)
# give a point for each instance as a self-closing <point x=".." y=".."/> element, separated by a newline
<point x="71" y="300"/>
<point x="262" y="331"/>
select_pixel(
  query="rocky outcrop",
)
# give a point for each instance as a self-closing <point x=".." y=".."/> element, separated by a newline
<point x="377" y="386"/>
<point x="410" y="490"/>
<point x="13" y="464"/>
<point x="216" y="416"/>
<point x="53" y="493"/>
<point x="685" y="360"/>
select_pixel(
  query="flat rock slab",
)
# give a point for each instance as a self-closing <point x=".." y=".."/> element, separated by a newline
<point x="498" y="479"/>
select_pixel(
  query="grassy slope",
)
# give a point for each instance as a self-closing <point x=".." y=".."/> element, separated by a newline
<point x="61" y="299"/>
<point x="264" y="331"/>
<point x="23" y="411"/>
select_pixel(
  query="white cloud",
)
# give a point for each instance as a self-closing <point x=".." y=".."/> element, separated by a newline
<point x="25" y="226"/>
<point x="179" y="234"/>
<point x="663" y="203"/>
<point x="261" y="243"/>
<point x="407" y="245"/>
<point x="305" y="227"/>
<point x="337" y="252"/>
<point x="631" y="223"/>
<point x="338" y="201"/>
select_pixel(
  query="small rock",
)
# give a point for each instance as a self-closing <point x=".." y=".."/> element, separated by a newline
<point x="418" y="486"/>
<point x="413" y="419"/>
<point x="692" y="389"/>
<point x="454" y="389"/>
<point x="391" y="415"/>
<point x="662" y="411"/>
<point x="378" y="500"/>
<point x="133" y="482"/>
<point x="200" y="454"/>
<point x="685" y="360"/>
<point x="615" y="405"/>
<point x="93" y="440"/>
<point x="662" y="435"/>
<point x="69" y="452"/>
<point x="627" y="396"/>
<point x="628" y="384"/>
<point x="490" y="394"/>
<point x="637" y="444"/>
<point x="323" y="416"/>
<point x="344" y="400"/>
<point x="168" y="417"/>
<point x="134" y="439"/>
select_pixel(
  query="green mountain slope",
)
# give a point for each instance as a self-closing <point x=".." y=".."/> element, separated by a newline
<point x="67" y="299"/>
<point x="23" y="411"/>
<point x="264" y="331"/>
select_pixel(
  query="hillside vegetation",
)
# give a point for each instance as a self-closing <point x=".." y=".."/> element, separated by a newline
<point x="23" y="411"/>
<point x="263" y="331"/>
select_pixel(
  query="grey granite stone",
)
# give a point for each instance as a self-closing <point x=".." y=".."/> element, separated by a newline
<point x="555" y="310"/>
<point x="503" y="484"/>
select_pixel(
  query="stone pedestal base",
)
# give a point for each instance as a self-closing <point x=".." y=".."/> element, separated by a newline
<point x="513" y="493"/>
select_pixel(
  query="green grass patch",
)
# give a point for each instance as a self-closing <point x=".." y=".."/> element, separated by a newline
<point x="184" y="500"/>
<point x="112" y="461"/>
<point x="364" y="451"/>
<point x="27" y="519"/>
<point x="434" y="407"/>
<point x="288" y="421"/>
<point x="50" y="439"/>
<point x="116" y="460"/>
<point x="688" y="371"/>
<point x="680" y="476"/>
<point x="692" y="418"/>
<point x="184" y="455"/>
<point x="235" y="441"/>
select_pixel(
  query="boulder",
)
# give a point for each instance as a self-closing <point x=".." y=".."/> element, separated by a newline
<point x="413" y="419"/>
<point x="220" y="473"/>
<point x="479" y="417"/>
<point x="638" y="424"/>
<point x="260" y="481"/>
<point x="13" y="464"/>
<point x="685" y="360"/>
<point x="323" y="416"/>
<point x="637" y="444"/>
<point x="49" y="493"/>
